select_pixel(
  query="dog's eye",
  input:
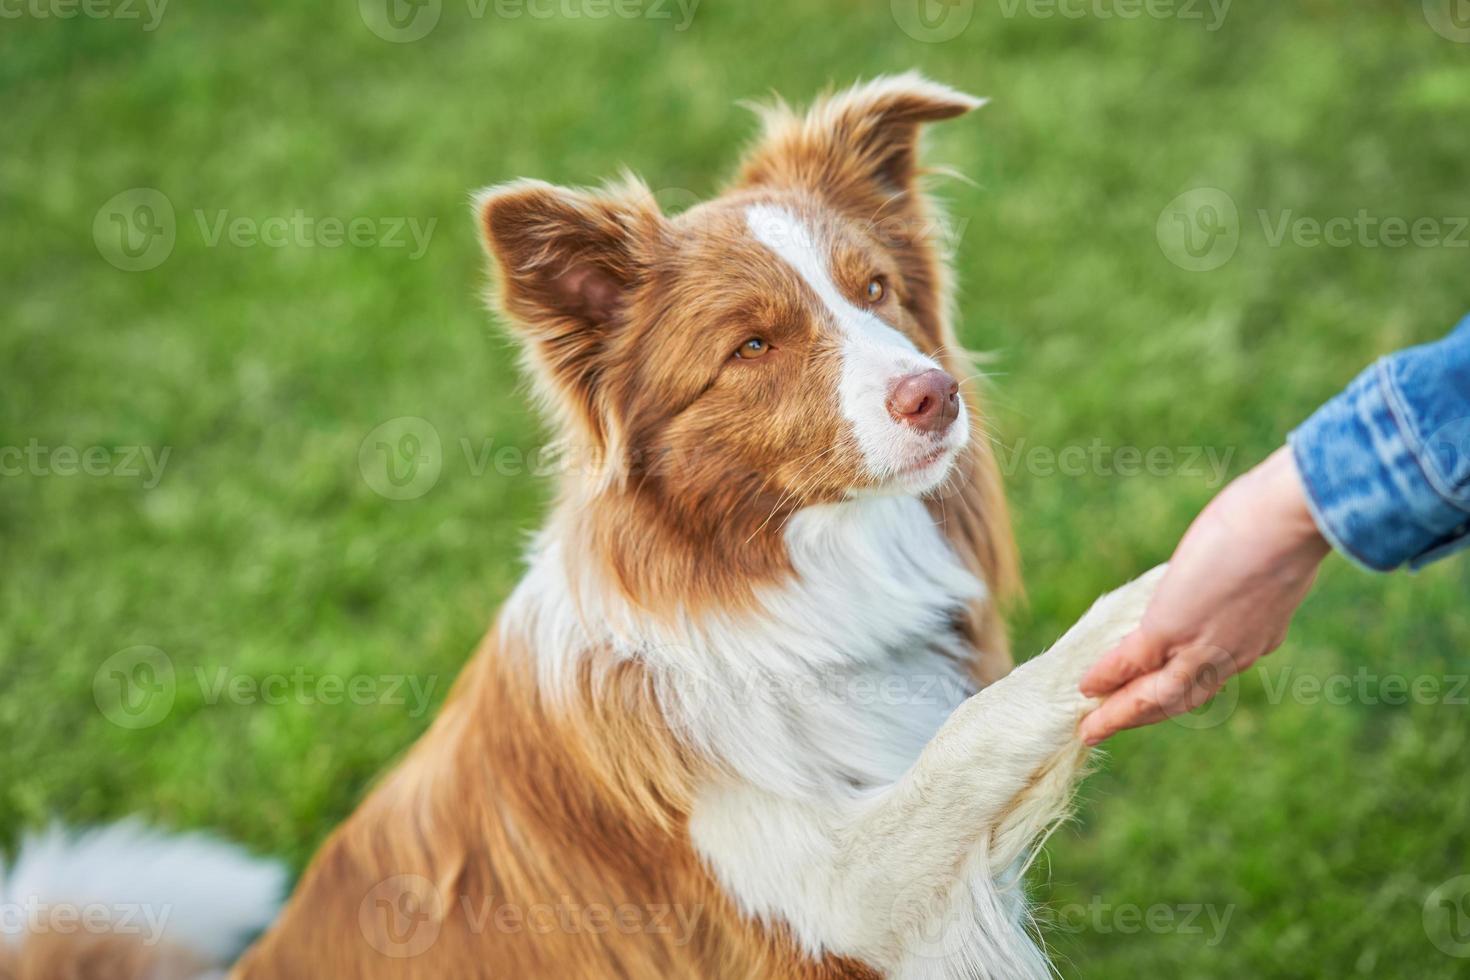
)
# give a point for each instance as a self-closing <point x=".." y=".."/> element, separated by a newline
<point x="875" y="290"/>
<point x="752" y="348"/>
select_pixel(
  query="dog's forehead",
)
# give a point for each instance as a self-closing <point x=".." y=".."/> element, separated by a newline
<point x="760" y="243"/>
<point x="720" y="230"/>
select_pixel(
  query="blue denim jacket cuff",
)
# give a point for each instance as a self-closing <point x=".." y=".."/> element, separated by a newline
<point x="1366" y="486"/>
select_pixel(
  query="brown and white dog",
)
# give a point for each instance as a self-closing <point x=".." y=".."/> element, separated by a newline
<point x="726" y="725"/>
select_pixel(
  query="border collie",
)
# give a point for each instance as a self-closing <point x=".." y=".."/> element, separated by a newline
<point x="750" y="712"/>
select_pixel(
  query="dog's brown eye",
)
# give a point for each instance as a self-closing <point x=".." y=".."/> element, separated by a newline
<point x="875" y="290"/>
<point x="752" y="348"/>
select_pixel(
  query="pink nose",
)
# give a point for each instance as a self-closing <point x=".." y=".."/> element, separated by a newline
<point x="928" y="401"/>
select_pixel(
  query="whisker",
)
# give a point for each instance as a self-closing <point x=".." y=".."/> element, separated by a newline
<point x="792" y="491"/>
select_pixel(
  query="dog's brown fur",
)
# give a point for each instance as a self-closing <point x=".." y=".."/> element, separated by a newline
<point x="517" y="799"/>
<point x="687" y="468"/>
<point x="509" y="805"/>
<point x="89" y="954"/>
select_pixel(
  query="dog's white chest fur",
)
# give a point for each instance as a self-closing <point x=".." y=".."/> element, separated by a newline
<point x="840" y="679"/>
<point x="854" y="664"/>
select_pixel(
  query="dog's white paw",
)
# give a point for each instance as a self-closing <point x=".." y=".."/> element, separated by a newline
<point x="1111" y="618"/>
<point x="1123" y="608"/>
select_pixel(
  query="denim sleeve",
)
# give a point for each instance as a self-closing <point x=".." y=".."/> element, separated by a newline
<point x="1387" y="463"/>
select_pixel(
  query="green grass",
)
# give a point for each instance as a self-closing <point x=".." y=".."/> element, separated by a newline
<point x="1321" y="828"/>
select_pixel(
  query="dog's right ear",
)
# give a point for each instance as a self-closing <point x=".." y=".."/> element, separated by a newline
<point x="858" y="148"/>
<point x="566" y="264"/>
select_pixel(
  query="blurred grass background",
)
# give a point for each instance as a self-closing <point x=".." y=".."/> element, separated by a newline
<point x="1321" y="829"/>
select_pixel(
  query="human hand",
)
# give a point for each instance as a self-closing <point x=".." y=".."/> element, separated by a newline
<point x="1233" y="584"/>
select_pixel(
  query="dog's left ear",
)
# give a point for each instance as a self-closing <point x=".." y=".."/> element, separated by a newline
<point x="858" y="148"/>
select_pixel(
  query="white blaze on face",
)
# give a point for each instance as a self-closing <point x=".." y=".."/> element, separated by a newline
<point x="874" y="355"/>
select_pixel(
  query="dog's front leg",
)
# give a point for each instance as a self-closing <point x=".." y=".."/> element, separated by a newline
<point x="868" y="876"/>
<point x="995" y="777"/>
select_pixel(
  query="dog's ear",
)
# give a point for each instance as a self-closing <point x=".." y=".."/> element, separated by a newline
<point x="858" y="152"/>
<point x="566" y="265"/>
<point x="858" y="148"/>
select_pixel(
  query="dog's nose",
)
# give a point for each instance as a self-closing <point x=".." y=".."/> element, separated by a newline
<point x="929" y="400"/>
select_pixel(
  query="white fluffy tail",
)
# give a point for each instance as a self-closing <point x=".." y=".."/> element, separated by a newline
<point x="125" y="902"/>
